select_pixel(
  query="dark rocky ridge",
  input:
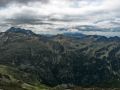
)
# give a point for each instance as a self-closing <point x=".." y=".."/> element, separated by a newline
<point x="19" y="30"/>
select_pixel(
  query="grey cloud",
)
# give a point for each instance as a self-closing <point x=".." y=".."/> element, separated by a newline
<point x="24" y="18"/>
<point x="46" y="15"/>
<point x="26" y="21"/>
<point x="7" y="2"/>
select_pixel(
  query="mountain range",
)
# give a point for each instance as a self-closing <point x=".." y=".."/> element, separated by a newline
<point x="30" y="61"/>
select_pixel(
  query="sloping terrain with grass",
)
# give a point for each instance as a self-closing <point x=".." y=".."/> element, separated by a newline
<point x="12" y="79"/>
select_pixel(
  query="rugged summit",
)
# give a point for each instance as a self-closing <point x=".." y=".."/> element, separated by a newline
<point x="19" y="30"/>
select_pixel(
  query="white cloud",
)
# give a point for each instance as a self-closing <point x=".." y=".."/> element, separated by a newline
<point x="60" y="12"/>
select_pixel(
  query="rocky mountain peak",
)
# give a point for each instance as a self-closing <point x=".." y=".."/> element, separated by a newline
<point x="19" y="30"/>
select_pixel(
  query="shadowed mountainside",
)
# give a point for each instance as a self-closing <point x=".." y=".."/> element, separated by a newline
<point x="88" y="61"/>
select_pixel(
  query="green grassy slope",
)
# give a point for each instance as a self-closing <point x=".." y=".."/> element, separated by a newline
<point x="11" y="79"/>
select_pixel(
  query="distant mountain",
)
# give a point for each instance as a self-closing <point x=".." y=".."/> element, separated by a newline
<point x="74" y="35"/>
<point x="58" y="60"/>
<point x="19" y="30"/>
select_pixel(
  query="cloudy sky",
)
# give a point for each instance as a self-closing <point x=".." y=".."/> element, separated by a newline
<point x="55" y="16"/>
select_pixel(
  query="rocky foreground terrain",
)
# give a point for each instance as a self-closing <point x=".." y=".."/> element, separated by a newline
<point x="71" y="61"/>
